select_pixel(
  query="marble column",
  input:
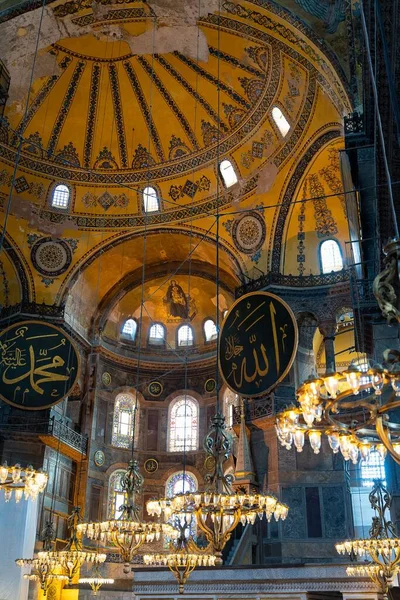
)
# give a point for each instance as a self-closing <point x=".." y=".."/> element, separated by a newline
<point x="305" y="358"/>
<point x="328" y="331"/>
<point x="17" y="532"/>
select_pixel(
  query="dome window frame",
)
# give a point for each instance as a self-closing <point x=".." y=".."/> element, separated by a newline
<point x="213" y="337"/>
<point x="281" y="122"/>
<point x="125" y="335"/>
<point x="155" y="341"/>
<point x="226" y="170"/>
<point x="60" y="203"/>
<point x="182" y="342"/>
<point x="156" y="208"/>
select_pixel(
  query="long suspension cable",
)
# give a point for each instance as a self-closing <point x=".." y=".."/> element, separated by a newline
<point x="379" y="120"/>
<point x="142" y="299"/>
<point x="217" y="378"/>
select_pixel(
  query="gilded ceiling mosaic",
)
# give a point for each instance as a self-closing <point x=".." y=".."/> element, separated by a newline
<point x="124" y="99"/>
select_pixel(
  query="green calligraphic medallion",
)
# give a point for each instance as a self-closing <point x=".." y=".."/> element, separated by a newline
<point x="258" y="343"/>
<point x="39" y="365"/>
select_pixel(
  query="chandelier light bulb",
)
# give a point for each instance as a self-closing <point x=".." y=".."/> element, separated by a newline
<point x="331" y="383"/>
<point x="353" y="377"/>
<point x="365" y="450"/>
<point x="309" y="418"/>
<point x="315" y="440"/>
<point x="353" y="453"/>
<point x="395" y="380"/>
<point x="377" y="381"/>
<point x="380" y="448"/>
<point x="298" y="438"/>
<point x="334" y="443"/>
<point x="3" y="473"/>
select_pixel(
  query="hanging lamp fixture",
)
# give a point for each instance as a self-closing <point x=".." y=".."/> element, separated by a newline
<point x="351" y="408"/>
<point x="382" y="548"/>
<point x="128" y="532"/>
<point x="26" y="483"/>
<point x="70" y="559"/>
<point x="183" y="556"/>
<point x="96" y="580"/>
<point x="41" y="570"/>
<point x="218" y="509"/>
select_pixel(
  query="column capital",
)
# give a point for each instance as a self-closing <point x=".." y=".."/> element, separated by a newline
<point x="328" y="329"/>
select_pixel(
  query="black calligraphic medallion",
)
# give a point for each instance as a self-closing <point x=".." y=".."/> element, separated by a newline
<point x="39" y="365"/>
<point x="258" y="343"/>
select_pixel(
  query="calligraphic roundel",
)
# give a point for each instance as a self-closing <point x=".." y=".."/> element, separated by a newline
<point x="39" y="365"/>
<point x="258" y="343"/>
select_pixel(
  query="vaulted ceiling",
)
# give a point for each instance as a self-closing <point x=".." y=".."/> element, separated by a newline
<point x="127" y="95"/>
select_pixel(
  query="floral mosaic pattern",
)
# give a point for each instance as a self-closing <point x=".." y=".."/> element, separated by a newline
<point x="190" y="188"/>
<point x="105" y="201"/>
<point x="325" y="224"/>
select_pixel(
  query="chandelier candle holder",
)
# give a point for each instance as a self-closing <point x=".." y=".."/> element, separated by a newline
<point x="72" y="557"/>
<point x="351" y="408"/>
<point x="26" y="483"/>
<point x="96" y="580"/>
<point x="219" y="509"/>
<point x="184" y="556"/>
<point x="41" y="572"/>
<point x="127" y="532"/>
<point x="382" y="548"/>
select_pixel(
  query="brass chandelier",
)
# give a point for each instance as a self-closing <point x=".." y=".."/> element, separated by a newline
<point x="96" y="580"/>
<point x="61" y="564"/>
<point x="26" y="483"/>
<point x="382" y="548"/>
<point x="218" y="509"/>
<point x="351" y="408"/>
<point x="127" y="532"/>
<point x="184" y="555"/>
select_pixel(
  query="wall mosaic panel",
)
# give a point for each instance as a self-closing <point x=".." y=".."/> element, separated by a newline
<point x="334" y="512"/>
<point x="294" y="526"/>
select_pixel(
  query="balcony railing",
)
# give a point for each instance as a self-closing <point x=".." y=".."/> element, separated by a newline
<point x="257" y="408"/>
<point x="300" y="281"/>
<point x="50" y="427"/>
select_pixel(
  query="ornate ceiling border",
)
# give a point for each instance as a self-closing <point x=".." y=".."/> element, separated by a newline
<point x="209" y="155"/>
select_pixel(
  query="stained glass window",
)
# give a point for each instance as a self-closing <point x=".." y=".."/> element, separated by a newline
<point x="281" y="121"/>
<point x="124" y="410"/>
<point x="372" y="469"/>
<point x="185" y="335"/>
<point x="228" y="173"/>
<point x="180" y="483"/>
<point x="331" y="257"/>
<point x="116" y="497"/>
<point x="183" y="425"/>
<point x="129" y="329"/>
<point x="61" y="196"/>
<point x="210" y="330"/>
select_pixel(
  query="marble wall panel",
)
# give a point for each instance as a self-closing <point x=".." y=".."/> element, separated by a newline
<point x="294" y="526"/>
